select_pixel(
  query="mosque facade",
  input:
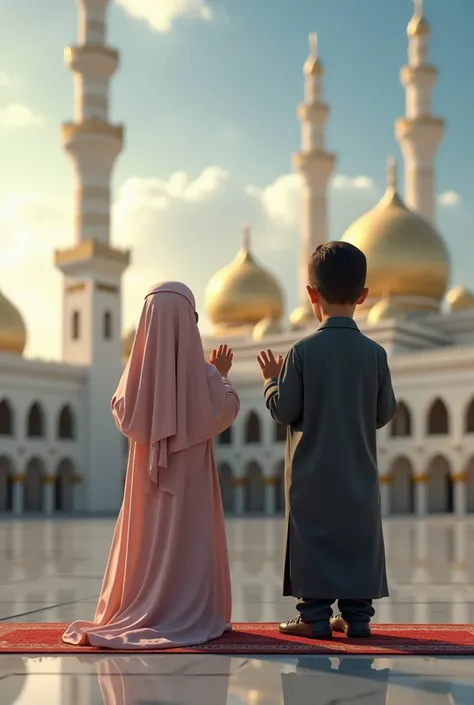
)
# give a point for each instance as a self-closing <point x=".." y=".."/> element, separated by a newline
<point x="59" y="449"/>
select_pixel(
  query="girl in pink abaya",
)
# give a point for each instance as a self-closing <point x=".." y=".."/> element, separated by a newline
<point x="167" y="581"/>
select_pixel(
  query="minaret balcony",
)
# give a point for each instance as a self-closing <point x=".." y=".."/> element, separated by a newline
<point x="76" y="133"/>
<point x="92" y="60"/>
<point x="92" y="256"/>
<point x="424" y="75"/>
<point x="425" y="129"/>
<point x="316" y="165"/>
<point x="315" y="113"/>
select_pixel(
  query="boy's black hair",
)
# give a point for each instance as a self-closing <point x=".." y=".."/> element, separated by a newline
<point x="338" y="270"/>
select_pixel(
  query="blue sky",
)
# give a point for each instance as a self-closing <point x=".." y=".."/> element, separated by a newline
<point x="221" y="93"/>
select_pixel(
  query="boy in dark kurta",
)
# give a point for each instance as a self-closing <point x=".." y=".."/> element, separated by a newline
<point x="332" y="391"/>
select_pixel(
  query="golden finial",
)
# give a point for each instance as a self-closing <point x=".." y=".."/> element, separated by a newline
<point x="246" y="231"/>
<point x="392" y="176"/>
<point x="418" y="7"/>
<point x="313" y="45"/>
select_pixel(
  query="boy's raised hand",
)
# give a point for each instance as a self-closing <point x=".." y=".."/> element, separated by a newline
<point x="269" y="365"/>
<point x="221" y="358"/>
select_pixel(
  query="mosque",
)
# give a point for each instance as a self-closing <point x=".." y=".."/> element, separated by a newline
<point x="60" y="451"/>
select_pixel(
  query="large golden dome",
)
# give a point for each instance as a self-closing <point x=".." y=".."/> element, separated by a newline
<point x="12" y="328"/>
<point x="406" y="257"/>
<point x="243" y="293"/>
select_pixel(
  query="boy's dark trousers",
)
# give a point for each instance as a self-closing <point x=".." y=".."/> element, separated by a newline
<point x="320" y="610"/>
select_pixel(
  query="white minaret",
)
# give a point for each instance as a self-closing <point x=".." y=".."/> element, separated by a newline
<point x="419" y="133"/>
<point x="315" y="165"/>
<point x="92" y="268"/>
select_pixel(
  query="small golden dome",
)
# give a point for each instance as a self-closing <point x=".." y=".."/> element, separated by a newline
<point x="460" y="298"/>
<point x="243" y="293"/>
<point x="418" y="24"/>
<point x="127" y="343"/>
<point x="385" y="310"/>
<point x="406" y="256"/>
<point x="265" y="328"/>
<point x="302" y="316"/>
<point x="12" y="328"/>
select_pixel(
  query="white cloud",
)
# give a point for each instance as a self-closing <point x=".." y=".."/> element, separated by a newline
<point x="449" y="199"/>
<point x="161" y="14"/>
<point x="281" y="199"/>
<point x="5" y="80"/>
<point x="359" y="183"/>
<point x="16" y="116"/>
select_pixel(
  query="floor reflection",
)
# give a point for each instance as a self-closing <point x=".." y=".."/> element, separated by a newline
<point x="223" y="680"/>
<point x="53" y="569"/>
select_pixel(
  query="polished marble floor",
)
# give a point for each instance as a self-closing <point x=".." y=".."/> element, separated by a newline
<point x="52" y="571"/>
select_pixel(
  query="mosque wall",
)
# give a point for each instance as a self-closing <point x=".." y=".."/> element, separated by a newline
<point x="42" y="440"/>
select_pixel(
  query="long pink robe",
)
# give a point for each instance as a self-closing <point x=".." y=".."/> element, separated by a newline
<point x="167" y="581"/>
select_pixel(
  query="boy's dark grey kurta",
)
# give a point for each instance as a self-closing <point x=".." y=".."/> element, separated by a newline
<point x="334" y="391"/>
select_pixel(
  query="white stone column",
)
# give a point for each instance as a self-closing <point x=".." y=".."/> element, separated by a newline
<point x="239" y="495"/>
<point x="385" y="494"/>
<point x="270" y="495"/>
<point x="421" y="495"/>
<point x="49" y="485"/>
<point x="18" y="494"/>
<point x="460" y="499"/>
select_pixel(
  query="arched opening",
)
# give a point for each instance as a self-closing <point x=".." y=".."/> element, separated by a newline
<point x="252" y="428"/>
<point x="280" y="487"/>
<point x="225" y="438"/>
<point x="440" y="487"/>
<point x="438" y="420"/>
<point x="64" y="487"/>
<point x="254" y="489"/>
<point x="35" y="426"/>
<point x="280" y="433"/>
<point x="402" y="493"/>
<point x="6" y="484"/>
<point x="401" y="425"/>
<point x="75" y="325"/>
<point x="6" y="418"/>
<point x="66" y="423"/>
<point x="34" y="487"/>
<point x="470" y="487"/>
<point x="108" y="332"/>
<point x="469" y="418"/>
<point x="227" y="487"/>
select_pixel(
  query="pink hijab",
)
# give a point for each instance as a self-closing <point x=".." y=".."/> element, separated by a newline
<point x="168" y="397"/>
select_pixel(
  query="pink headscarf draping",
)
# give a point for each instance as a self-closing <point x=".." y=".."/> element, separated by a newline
<point x="168" y="398"/>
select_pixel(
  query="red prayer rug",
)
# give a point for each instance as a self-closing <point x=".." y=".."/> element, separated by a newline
<point x="265" y="639"/>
